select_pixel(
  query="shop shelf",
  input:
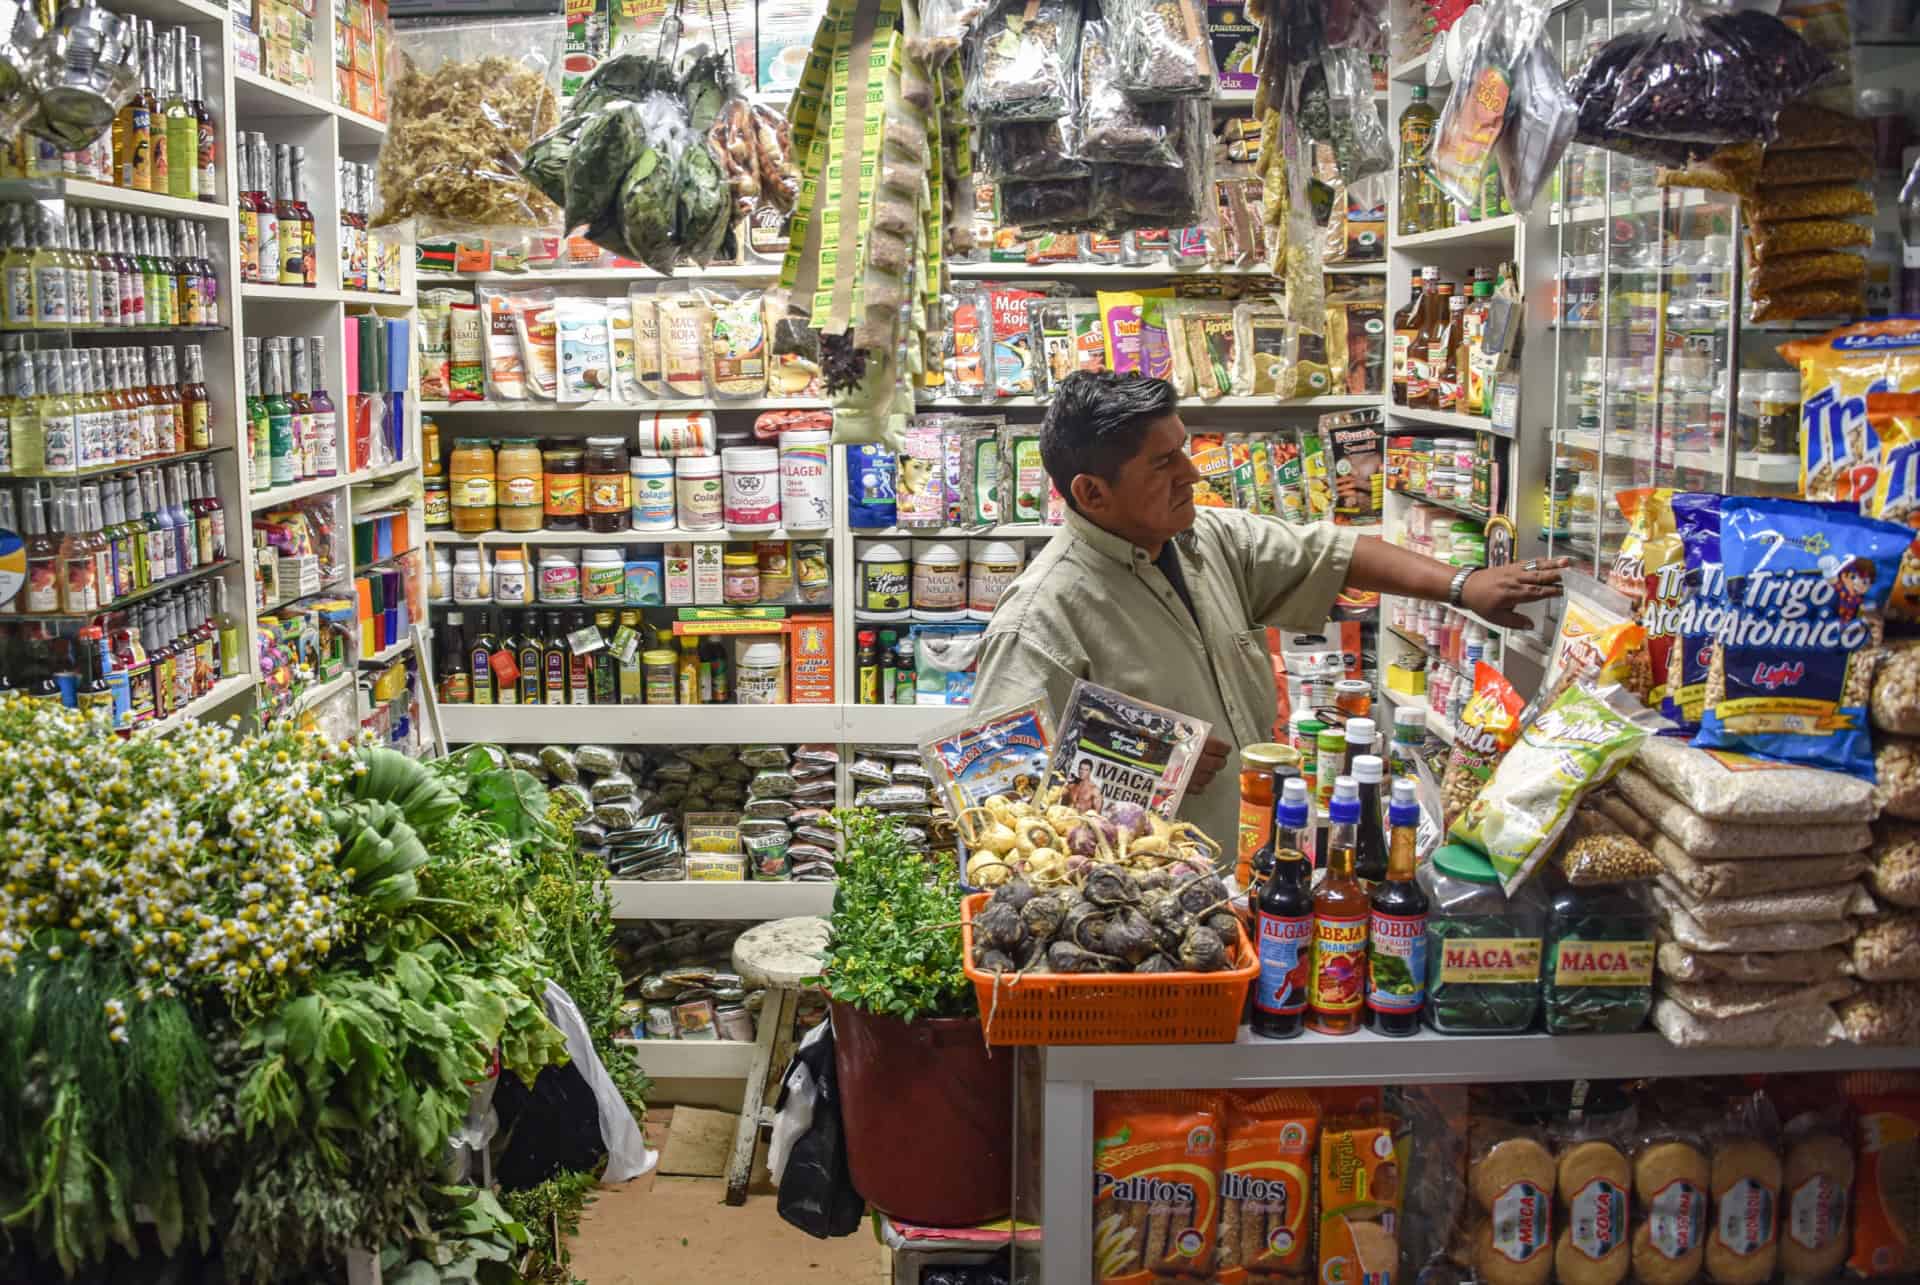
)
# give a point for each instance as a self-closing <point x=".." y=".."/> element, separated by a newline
<point x="1431" y="1058"/>
<point x="1771" y="470"/>
<point x="1333" y="402"/>
<point x="1486" y="234"/>
<point x="86" y="192"/>
<point x="1411" y="72"/>
<point x="103" y="470"/>
<point x="1068" y="271"/>
<point x="259" y="95"/>
<point x="691" y="1059"/>
<point x="1004" y="531"/>
<point x="895" y="724"/>
<point x="387" y="655"/>
<point x="139" y="595"/>
<point x="261" y="292"/>
<point x="225" y="690"/>
<point x="607" y="276"/>
<point x="636" y="899"/>
<point x="258" y="500"/>
<point x="1418" y="644"/>
<point x="1442" y="419"/>
<point x="640" y="724"/>
<point x="625" y="408"/>
<point x="185" y="12"/>
<point x="318" y="694"/>
<point x="1462" y="507"/>
<point x="620" y="537"/>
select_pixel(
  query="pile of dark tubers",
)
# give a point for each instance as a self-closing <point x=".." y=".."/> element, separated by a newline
<point x="1112" y="923"/>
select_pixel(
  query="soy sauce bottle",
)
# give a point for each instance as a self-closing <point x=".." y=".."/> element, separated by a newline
<point x="1397" y="927"/>
<point x="1285" y="911"/>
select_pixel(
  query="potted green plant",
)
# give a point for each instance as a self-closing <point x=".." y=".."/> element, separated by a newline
<point x="928" y="1109"/>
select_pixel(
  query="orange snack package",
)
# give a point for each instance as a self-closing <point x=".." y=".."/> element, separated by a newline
<point x="1886" y="1191"/>
<point x="1266" y="1189"/>
<point x="1360" y="1183"/>
<point x="1839" y="450"/>
<point x="1156" y="1185"/>
<point x="1894" y="418"/>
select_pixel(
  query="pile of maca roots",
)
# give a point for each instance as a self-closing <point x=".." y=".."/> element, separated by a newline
<point x="1111" y="923"/>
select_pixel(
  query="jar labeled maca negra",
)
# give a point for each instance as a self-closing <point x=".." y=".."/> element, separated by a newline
<point x="886" y="580"/>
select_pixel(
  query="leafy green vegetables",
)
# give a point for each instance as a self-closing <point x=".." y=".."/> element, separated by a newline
<point x="895" y="942"/>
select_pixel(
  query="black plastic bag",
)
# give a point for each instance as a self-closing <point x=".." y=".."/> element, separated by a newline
<point x="816" y="1186"/>
<point x="1596" y="86"/>
<point x="1715" y="78"/>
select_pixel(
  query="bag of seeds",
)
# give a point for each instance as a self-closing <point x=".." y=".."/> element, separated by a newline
<point x="1163" y="49"/>
<point x="1569" y="749"/>
<point x="1488" y="727"/>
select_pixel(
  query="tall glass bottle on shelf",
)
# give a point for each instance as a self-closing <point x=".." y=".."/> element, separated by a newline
<point x="1338" y="977"/>
<point x="133" y="126"/>
<point x="206" y="183"/>
<point x="322" y="419"/>
<point x="1370" y="849"/>
<point x="292" y="240"/>
<point x="1397" y="927"/>
<point x="183" y="133"/>
<point x="251" y="202"/>
<point x="259" y="423"/>
<point x="296" y="391"/>
<point x="16" y="270"/>
<point x="286" y="456"/>
<point x="1416" y="148"/>
<point x="1285" y="914"/>
<point x="309" y="241"/>
<point x="1406" y="325"/>
<point x="268" y="197"/>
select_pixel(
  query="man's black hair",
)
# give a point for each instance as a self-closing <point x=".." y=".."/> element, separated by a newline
<point x="1097" y="422"/>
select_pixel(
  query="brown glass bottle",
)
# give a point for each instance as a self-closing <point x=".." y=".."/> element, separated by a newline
<point x="1405" y="323"/>
<point x="1337" y="982"/>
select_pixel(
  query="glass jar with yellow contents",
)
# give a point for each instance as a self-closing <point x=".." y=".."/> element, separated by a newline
<point x="564" y="470"/>
<point x="471" y="472"/>
<point x="520" y="470"/>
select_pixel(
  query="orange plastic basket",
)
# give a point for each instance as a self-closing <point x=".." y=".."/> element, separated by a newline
<point x="1109" y="1008"/>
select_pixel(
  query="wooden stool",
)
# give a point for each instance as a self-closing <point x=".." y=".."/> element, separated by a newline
<point x="778" y="955"/>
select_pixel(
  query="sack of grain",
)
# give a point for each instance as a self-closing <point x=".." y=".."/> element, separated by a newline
<point x="1678" y="925"/>
<point x="1719" y="1001"/>
<point x="1888" y="1013"/>
<point x="1887" y="948"/>
<point x="1677" y="962"/>
<point x="1746" y="878"/>
<point x="1895" y="877"/>
<point x="1708" y="839"/>
<point x="1800" y="906"/>
<point x="1896" y="776"/>
<point x="1810" y="1027"/>
<point x="1733" y="787"/>
<point x="1896" y="690"/>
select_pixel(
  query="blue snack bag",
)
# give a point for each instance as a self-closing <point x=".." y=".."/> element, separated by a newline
<point x="870" y="481"/>
<point x="1806" y="584"/>
<point x="1702" y="610"/>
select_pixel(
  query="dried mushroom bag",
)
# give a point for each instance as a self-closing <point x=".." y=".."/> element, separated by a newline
<point x="467" y="100"/>
<point x="1162" y="48"/>
<point x="1110" y="125"/>
<point x="1133" y="197"/>
<point x="1792" y="674"/>
<point x="1023" y="59"/>
<point x="1715" y="77"/>
<point x="1570" y="749"/>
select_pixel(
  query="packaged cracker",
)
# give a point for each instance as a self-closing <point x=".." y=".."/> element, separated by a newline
<point x="1156" y="1178"/>
<point x="1792" y="673"/>
<point x="1594" y="1182"/>
<point x="1569" y="750"/>
<point x="1361" y="1163"/>
<point x="1266" y="1187"/>
<point x="1743" y="1244"/>
<point x="1511" y="1180"/>
<point x="1839" y="452"/>
<point x="1816" y="1192"/>
<point x="1489" y="725"/>
<point x="1702" y="610"/>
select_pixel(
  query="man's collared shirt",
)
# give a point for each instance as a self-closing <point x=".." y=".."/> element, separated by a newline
<point x="1094" y="605"/>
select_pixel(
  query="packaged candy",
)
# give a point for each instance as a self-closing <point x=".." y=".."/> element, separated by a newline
<point x="1791" y="675"/>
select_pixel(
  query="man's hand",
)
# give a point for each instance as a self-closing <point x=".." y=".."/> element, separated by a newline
<point x="1493" y="592"/>
<point x="1211" y="760"/>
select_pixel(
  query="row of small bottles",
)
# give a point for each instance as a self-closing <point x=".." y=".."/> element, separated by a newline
<point x="69" y="409"/>
<point x="94" y="267"/>
<point x="293" y="431"/>
<point x="277" y="236"/>
<point x="162" y="141"/>
<point x="89" y="546"/>
<point x="143" y="664"/>
<point x="577" y="658"/>
<point x="369" y="260"/>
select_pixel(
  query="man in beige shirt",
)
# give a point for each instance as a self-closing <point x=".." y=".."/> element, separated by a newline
<point x="1144" y="593"/>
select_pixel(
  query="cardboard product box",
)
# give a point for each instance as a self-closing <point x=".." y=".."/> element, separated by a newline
<point x="364" y="99"/>
<point x="1233" y="34"/>
<point x="784" y="34"/>
<point x="241" y="11"/>
<point x="679" y="574"/>
<point x="342" y="45"/>
<point x="810" y="660"/>
<point x="360" y="49"/>
<point x="246" y="51"/>
<point x="271" y="20"/>
<point x="708" y="573"/>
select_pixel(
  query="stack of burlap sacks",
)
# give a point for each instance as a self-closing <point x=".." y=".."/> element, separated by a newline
<point x="1786" y="915"/>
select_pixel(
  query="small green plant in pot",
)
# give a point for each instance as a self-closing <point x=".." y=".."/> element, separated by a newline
<point x="912" y="1060"/>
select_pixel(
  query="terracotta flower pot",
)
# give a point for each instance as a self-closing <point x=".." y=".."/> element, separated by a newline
<point x="928" y="1111"/>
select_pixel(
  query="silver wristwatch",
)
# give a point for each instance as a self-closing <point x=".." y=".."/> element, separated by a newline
<point x="1456" y="591"/>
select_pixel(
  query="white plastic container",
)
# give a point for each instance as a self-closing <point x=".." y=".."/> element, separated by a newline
<point x="603" y="577"/>
<point x="559" y="577"/>
<point x="760" y="672"/>
<point x="806" y="480"/>
<point x="511" y="580"/>
<point x="886" y="581"/>
<point x="939" y="580"/>
<point x="992" y="565"/>
<point x="440" y="575"/>
<point x="696" y="488"/>
<point x="472" y="578"/>
<point x="653" y="505"/>
<point x="752" y="487"/>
